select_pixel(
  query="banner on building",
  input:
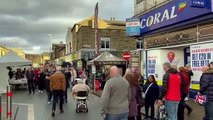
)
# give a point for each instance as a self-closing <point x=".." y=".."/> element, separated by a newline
<point x="96" y="30"/>
<point x="175" y="12"/>
<point x="201" y="55"/>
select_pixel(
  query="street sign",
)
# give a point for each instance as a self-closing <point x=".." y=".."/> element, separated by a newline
<point x="126" y="56"/>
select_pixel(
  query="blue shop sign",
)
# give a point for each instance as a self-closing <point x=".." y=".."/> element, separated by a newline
<point x="133" y="27"/>
<point x="173" y="13"/>
<point x="198" y="3"/>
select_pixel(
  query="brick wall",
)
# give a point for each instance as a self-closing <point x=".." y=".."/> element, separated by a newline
<point x="119" y="41"/>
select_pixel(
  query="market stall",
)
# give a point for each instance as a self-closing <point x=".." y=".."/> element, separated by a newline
<point x="11" y="59"/>
<point x="100" y="64"/>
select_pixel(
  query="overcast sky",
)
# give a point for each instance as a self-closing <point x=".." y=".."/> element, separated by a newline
<point x="27" y="23"/>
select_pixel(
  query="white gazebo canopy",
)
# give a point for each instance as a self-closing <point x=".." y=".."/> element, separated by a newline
<point x="12" y="59"/>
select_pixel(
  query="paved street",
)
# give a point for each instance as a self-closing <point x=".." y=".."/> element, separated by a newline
<point x="36" y="106"/>
<point x="42" y="111"/>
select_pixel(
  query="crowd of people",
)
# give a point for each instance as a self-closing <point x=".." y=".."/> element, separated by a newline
<point x="16" y="75"/>
<point x="123" y="97"/>
<point x="55" y="80"/>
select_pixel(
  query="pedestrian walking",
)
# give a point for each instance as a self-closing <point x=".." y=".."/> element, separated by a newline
<point x="58" y="87"/>
<point x="172" y="89"/>
<point x="106" y="76"/>
<point x="182" y="104"/>
<point x="151" y="94"/>
<point x="133" y="105"/>
<point x="115" y="97"/>
<point x="10" y="73"/>
<point x="41" y="80"/>
<point x="68" y="77"/>
<point x="30" y="82"/>
<point x="36" y="72"/>
<point x="47" y="86"/>
<point x="140" y="100"/>
<point x="73" y="76"/>
<point x="206" y="88"/>
<point x="190" y="74"/>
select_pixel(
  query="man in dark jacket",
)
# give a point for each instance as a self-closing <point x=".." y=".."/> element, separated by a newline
<point x="30" y="76"/>
<point x="206" y="88"/>
<point x="67" y="74"/>
<point x="173" y="90"/>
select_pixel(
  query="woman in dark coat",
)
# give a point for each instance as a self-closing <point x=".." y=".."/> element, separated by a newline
<point x="151" y="95"/>
<point x="41" y="80"/>
<point x="47" y="85"/>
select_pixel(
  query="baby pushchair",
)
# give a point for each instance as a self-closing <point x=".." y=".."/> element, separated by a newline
<point x="81" y="101"/>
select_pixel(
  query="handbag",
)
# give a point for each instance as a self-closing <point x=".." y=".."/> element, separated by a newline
<point x="201" y="99"/>
<point x="144" y="94"/>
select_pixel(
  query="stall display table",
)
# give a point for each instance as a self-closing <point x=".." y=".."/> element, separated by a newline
<point x="22" y="81"/>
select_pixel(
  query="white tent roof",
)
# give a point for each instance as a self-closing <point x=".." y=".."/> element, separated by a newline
<point x="12" y="59"/>
<point x="104" y="57"/>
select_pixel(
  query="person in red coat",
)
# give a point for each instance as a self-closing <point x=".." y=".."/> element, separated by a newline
<point x="36" y="73"/>
<point x="184" y="73"/>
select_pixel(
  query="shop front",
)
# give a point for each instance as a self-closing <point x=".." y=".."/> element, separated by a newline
<point x="178" y="33"/>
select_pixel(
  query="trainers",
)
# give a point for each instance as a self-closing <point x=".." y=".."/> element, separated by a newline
<point x="53" y="114"/>
<point x="48" y="102"/>
<point x="42" y="92"/>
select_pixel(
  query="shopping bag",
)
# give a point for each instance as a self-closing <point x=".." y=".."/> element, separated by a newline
<point x="201" y="99"/>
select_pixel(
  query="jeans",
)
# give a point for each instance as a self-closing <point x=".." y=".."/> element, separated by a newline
<point x="172" y="109"/>
<point x="57" y="94"/>
<point x="208" y="111"/>
<point x="122" y="116"/>
<point x="49" y="95"/>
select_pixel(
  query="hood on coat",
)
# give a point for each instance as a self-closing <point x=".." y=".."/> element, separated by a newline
<point x="172" y="70"/>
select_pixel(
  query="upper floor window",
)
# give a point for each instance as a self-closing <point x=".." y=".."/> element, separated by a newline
<point x="139" y="44"/>
<point x="105" y="42"/>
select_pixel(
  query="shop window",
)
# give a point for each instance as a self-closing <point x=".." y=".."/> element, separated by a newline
<point x="105" y="43"/>
<point x="139" y="44"/>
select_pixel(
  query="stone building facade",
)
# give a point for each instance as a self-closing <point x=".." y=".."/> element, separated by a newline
<point x="111" y="34"/>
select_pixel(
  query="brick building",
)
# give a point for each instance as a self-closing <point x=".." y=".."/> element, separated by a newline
<point x="58" y="50"/>
<point x="112" y="36"/>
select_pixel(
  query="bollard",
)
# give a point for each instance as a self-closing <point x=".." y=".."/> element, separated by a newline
<point x="0" y="107"/>
<point x="9" y="103"/>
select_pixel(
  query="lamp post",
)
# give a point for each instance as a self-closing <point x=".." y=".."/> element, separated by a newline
<point x="50" y="36"/>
